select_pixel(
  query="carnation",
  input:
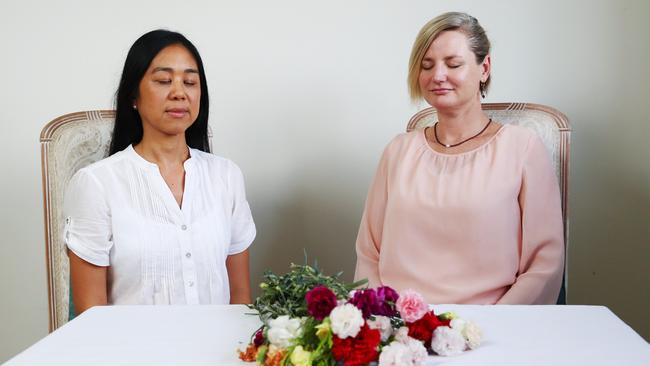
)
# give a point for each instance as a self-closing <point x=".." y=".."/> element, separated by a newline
<point x="283" y="330"/>
<point x="447" y="341"/>
<point x="411" y="306"/>
<point x="423" y="328"/>
<point x="346" y="321"/>
<point x="381" y="323"/>
<point x="300" y="357"/>
<point x="320" y="302"/>
<point x="359" y="350"/>
<point x="409" y="353"/>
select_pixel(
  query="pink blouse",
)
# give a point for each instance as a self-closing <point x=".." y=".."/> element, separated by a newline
<point x="481" y="227"/>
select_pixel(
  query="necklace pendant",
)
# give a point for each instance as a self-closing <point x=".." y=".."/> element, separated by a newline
<point x="447" y="145"/>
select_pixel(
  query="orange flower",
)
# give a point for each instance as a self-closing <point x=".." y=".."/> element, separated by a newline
<point x="250" y="355"/>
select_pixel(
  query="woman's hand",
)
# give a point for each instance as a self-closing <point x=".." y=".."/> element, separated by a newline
<point x="88" y="283"/>
<point x="239" y="278"/>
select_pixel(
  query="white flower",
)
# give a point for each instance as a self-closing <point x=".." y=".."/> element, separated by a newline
<point x="472" y="334"/>
<point x="411" y="353"/>
<point x="402" y="335"/>
<point x="382" y="323"/>
<point x="447" y="341"/>
<point x="346" y="320"/>
<point x="470" y="331"/>
<point x="283" y="330"/>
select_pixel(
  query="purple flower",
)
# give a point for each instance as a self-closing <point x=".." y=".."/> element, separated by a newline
<point x="366" y="301"/>
<point x="320" y="302"/>
<point x="258" y="340"/>
<point x="387" y="297"/>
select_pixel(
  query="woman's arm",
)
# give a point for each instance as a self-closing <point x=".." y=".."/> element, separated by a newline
<point x="541" y="262"/>
<point x="88" y="283"/>
<point x="369" y="238"/>
<point x="239" y="278"/>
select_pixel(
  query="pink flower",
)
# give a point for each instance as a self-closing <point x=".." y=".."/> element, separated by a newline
<point x="411" y="306"/>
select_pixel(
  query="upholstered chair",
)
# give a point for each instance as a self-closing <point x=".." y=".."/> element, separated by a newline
<point x="553" y="128"/>
<point x="68" y="143"/>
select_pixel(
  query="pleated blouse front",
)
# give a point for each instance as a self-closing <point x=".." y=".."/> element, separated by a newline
<point x="479" y="227"/>
<point x="121" y="214"/>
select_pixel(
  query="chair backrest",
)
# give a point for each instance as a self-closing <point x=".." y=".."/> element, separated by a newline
<point x="553" y="128"/>
<point x="68" y="144"/>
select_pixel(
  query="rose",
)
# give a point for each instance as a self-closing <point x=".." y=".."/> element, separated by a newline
<point x="320" y="302"/>
<point x="359" y="350"/>
<point x="411" y="306"/>
<point x="423" y="328"/>
<point x="346" y="320"/>
<point x="283" y="330"/>
<point x="447" y="341"/>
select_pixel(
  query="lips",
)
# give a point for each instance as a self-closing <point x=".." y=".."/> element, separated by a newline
<point x="441" y="91"/>
<point x="177" y="112"/>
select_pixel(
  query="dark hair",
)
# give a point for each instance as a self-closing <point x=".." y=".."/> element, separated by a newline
<point x="128" y="125"/>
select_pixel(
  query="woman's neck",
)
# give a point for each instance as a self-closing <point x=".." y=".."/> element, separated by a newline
<point x="458" y="125"/>
<point x="164" y="153"/>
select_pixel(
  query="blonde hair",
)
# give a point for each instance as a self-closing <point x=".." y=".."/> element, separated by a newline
<point x="479" y="44"/>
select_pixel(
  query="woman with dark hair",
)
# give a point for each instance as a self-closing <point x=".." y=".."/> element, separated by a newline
<point x="161" y="220"/>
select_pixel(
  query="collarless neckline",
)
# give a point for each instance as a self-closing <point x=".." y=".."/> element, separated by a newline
<point x="148" y="164"/>
<point x="423" y="136"/>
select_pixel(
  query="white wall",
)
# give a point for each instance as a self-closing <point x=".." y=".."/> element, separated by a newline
<point x="305" y="96"/>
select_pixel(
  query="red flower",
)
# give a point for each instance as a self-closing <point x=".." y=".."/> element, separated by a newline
<point x="423" y="328"/>
<point x="359" y="350"/>
<point x="320" y="302"/>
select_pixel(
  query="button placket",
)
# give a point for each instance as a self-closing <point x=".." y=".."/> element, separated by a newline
<point x="189" y="267"/>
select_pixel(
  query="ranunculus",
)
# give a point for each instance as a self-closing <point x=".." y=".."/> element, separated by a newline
<point x="346" y="320"/>
<point x="423" y="328"/>
<point x="410" y="353"/>
<point x="383" y="325"/>
<point x="283" y="330"/>
<point x="300" y="357"/>
<point x="447" y="341"/>
<point x="320" y="302"/>
<point x="359" y="350"/>
<point x="411" y="306"/>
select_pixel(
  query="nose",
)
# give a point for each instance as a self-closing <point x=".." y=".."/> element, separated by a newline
<point x="439" y="74"/>
<point x="177" y="91"/>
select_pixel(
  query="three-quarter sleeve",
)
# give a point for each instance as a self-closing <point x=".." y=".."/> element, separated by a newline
<point x="369" y="238"/>
<point x="541" y="262"/>
<point x="87" y="231"/>
<point x="242" y="226"/>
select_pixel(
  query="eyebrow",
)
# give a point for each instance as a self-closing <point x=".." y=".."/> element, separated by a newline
<point x="446" y="58"/>
<point x="169" y="69"/>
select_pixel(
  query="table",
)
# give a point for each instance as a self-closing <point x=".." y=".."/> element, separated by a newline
<point x="209" y="335"/>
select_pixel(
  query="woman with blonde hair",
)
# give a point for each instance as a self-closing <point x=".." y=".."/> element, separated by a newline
<point x="466" y="211"/>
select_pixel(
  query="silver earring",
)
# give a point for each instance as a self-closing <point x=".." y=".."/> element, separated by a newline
<point x="135" y="107"/>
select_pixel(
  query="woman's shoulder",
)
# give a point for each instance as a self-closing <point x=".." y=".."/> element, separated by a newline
<point x="104" y="166"/>
<point x="406" y="140"/>
<point x="516" y="137"/>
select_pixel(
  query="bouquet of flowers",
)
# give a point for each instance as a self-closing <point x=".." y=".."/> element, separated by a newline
<point x="313" y="319"/>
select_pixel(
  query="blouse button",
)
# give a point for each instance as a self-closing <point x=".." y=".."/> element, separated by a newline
<point x="191" y="283"/>
<point x="188" y="255"/>
<point x="183" y="227"/>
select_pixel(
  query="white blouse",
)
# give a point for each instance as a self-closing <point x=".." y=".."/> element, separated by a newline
<point x="120" y="213"/>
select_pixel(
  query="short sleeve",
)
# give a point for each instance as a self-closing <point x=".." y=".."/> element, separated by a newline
<point x="87" y="231"/>
<point x="242" y="228"/>
<point x="541" y="263"/>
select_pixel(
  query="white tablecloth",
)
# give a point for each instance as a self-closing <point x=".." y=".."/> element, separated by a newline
<point x="209" y="335"/>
